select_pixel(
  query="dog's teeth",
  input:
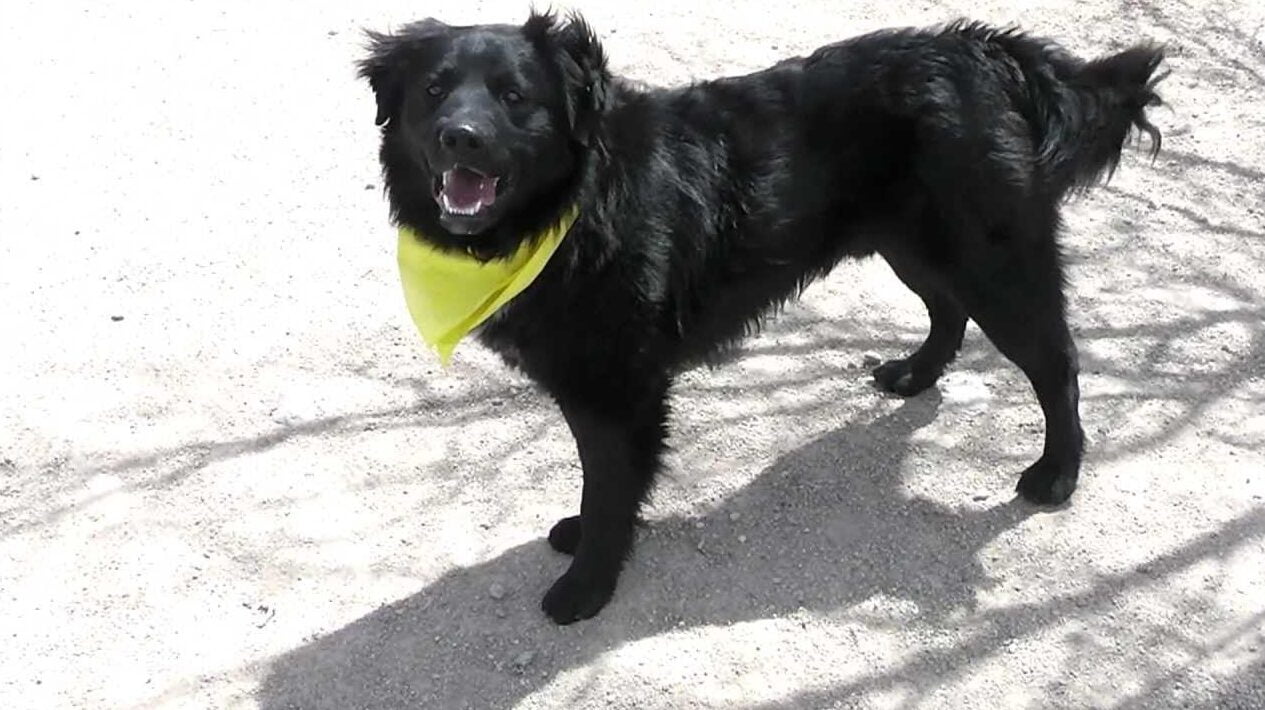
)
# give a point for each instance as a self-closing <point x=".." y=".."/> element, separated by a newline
<point x="450" y="208"/>
<point x="447" y="205"/>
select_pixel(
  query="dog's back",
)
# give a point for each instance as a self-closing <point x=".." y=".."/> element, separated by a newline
<point x="1059" y="121"/>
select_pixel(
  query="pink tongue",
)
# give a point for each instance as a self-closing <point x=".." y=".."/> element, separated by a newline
<point x="466" y="189"/>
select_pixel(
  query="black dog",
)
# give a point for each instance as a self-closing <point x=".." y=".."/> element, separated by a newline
<point x="946" y="151"/>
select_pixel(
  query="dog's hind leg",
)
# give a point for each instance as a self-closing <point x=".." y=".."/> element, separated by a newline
<point x="1014" y="293"/>
<point x="910" y="375"/>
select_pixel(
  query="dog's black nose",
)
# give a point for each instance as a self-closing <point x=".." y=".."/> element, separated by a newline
<point x="462" y="139"/>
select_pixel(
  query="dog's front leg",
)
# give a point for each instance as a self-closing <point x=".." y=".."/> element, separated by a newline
<point x="619" y="448"/>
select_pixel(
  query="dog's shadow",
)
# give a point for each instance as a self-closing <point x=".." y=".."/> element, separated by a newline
<point x="825" y="528"/>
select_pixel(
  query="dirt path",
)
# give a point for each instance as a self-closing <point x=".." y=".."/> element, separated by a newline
<point x="231" y="478"/>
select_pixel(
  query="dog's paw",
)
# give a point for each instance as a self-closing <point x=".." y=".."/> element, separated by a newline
<point x="565" y="535"/>
<point x="1047" y="483"/>
<point x="573" y="598"/>
<point x="902" y="378"/>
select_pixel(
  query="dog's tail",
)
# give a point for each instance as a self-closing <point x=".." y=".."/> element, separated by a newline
<point x="1090" y="111"/>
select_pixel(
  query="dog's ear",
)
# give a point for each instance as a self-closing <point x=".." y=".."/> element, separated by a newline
<point x="583" y="64"/>
<point x="389" y="58"/>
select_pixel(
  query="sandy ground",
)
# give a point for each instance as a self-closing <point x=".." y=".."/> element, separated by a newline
<point x="230" y="477"/>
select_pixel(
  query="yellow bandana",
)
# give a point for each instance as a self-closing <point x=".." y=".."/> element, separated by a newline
<point x="449" y="294"/>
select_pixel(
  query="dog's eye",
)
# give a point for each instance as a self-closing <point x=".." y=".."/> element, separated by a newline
<point x="435" y="90"/>
<point x="512" y="97"/>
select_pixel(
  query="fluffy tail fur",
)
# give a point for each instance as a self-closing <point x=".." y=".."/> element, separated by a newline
<point x="1092" y="112"/>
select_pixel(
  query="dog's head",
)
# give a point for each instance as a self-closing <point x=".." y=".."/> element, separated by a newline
<point x="485" y="127"/>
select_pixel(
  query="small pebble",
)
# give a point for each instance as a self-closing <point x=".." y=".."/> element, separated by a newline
<point x="116" y="319"/>
<point x="734" y="515"/>
<point x="699" y="525"/>
<point x="742" y="538"/>
<point x="522" y="660"/>
<point x="496" y="591"/>
<point x="871" y="359"/>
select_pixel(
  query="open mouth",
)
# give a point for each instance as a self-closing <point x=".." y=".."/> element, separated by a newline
<point x="466" y="192"/>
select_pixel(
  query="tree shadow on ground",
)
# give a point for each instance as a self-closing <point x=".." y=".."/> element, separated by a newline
<point x="835" y="528"/>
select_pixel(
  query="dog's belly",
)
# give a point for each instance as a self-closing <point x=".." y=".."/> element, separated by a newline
<point x="773" y="268"/>
<point x="735" y="306"/>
